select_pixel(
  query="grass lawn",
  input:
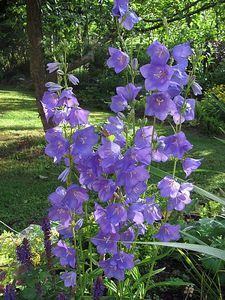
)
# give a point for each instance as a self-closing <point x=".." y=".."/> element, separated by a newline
<point x="28" y="176"/>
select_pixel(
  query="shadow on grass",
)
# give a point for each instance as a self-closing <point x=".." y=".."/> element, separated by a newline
<point x="15" y="100"/>
<point x="30" y="146"/>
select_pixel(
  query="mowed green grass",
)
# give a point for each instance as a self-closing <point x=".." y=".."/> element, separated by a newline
<point x="27" y="176"/>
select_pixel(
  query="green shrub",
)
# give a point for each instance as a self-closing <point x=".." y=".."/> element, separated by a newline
<point x="211" y="110"/>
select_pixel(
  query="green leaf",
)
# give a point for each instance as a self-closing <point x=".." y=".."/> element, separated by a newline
<point x="200" y="191"/>
<point x="176" y="282"/>
<point x="193" y="247"/>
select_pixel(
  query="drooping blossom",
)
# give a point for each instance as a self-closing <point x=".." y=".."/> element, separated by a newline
<point x="73" y="79"/>
<point x="143" y="137"/>
<point x="105" y="188"/>
<point x="190" y="164"/>
<point x="159" y="105"/>
<point x="75" y="197"/>
<point x="168" y="232"/>
<point x="53" y="87"/>
<point x="151" y="211"/>
<point x="52" y="67"/>
<point x="120" y="8"/>
<point x="69" y="279"/>
<point x="179" y="202"/>
<point x="129" y="20"/>
<point x="58" y="145"/>
<point x="118" y="60"/>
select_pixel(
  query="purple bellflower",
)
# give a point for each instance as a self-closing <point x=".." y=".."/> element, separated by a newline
<point x="129" y="92"/>
<point x="52" y="67"/>
<point x="159" y="53"/>
<point x="106" y="242"/>
<point x="177" y="145"/>
<point x="119" y="103"/>
<point x="67" y="255"/>
<point x="159" y="105"/>
<point x="129" y="20"/>
<point x="118" y="60"/>
<point x="116" y="266"/>
<point x="190" y="164"/>
<point x="185" y="110"/>
<point x="120" y="8"/>
<point x="168" y="187"/>
<point x="69" y="279"/>
<point x="84" y="140"/>
<point x="157" y="77"/>
<point x="168" y="232"/>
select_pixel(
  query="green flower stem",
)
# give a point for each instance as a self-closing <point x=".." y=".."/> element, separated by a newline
<point x="155" y="253"/>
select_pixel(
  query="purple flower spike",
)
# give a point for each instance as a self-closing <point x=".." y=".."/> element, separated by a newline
<point x="191" y="164"/>
<point x="69" y="279"/>
<point x="99" y="289"/>
<point x="118" y="60"/>
<point x="168" y="232"/>
<point x="177" y="145"/>
<point x="159" y="53"/>
<point x="65" y="254"/>
<point x="23" y="253"/>
<point x="168" y="187"/>
<point x="52" y="67"/>
<point x="129" y="20"/>
<point x="10" y="292"/>
<point x="157" y="77"/>
<point x="159" y="105"/>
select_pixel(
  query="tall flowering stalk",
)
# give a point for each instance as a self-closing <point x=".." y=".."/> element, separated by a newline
<point x="114" y="163"/>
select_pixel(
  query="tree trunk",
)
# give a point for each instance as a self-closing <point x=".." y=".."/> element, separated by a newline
<point x="37" y="69"/>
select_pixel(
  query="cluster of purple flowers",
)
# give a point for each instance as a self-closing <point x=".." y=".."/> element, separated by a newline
<point x="106" y="163"/>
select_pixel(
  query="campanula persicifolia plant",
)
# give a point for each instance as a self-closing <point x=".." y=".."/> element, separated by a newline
<point x="104" y="200"/>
